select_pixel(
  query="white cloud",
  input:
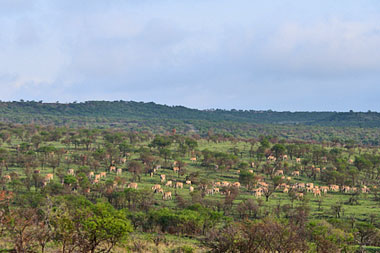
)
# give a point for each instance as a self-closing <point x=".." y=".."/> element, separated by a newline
<point x="198" y="53"/>
<point x="332" y="47"/>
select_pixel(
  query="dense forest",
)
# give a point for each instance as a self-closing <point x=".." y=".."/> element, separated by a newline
<point x="359" y="127"/>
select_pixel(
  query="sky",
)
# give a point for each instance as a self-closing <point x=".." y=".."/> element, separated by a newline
<point x="284" y="55"/>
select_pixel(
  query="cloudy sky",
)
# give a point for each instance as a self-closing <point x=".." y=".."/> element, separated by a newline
<point x="283" y="55"/>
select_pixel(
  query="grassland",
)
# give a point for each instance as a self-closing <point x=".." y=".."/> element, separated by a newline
<point x="218" y="160"/>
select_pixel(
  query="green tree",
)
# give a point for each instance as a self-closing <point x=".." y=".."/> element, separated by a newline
<point x="86" y="227"/>
<point x="279" y="150"/>
<point x="326" y="238"/>
<point x="135" y="167"/>
<point x="161" y="142"/>
<point x="247" y="178"/>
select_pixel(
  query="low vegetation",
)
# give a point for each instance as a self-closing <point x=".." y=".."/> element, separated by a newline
<point x="71" y="189"/>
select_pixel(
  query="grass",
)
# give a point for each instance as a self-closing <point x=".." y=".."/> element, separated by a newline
<point x="320" y="207"/>
<point x="362" y="211"/>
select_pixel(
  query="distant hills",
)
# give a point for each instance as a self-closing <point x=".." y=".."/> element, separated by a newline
<point x="130" y="110"/>
<point x="359" y="127"/>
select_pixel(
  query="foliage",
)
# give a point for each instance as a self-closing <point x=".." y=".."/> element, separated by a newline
<point x="73" y="189"/>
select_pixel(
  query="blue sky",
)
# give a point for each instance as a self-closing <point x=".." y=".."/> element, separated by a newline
<point x="282" y="55"/>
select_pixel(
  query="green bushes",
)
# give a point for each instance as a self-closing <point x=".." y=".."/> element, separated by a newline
<point x="193" y="220"/>
<point x="72" y="223"/>
<point x="273" y="235"/>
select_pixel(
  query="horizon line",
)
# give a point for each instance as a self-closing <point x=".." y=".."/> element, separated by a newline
<point x="207" y="109"/>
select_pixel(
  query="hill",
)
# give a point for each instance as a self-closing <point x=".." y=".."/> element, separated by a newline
<point x="139" y="110"/>
<point x="161" y="118"/>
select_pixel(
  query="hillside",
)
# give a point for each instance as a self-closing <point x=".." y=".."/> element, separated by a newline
<point x="130" y="110"/>
<point x="138" y="116"/>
